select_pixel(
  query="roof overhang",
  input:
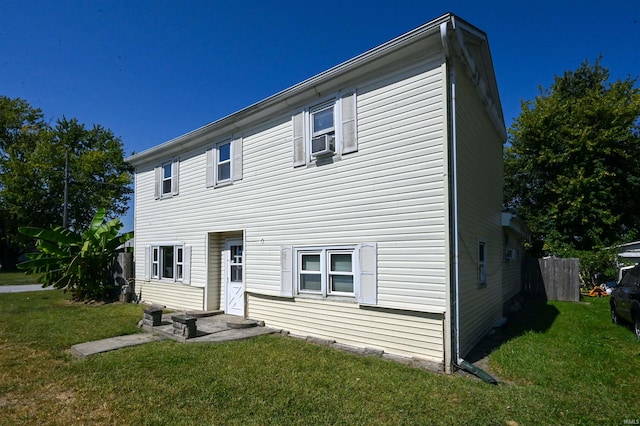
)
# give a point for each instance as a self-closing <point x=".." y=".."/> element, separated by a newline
<point x="409" y="45"/>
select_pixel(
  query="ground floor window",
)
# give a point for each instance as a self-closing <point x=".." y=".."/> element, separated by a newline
<point x="482" y="263"/>
<point x="168" y="262"/>
<point x="326" y="271"/>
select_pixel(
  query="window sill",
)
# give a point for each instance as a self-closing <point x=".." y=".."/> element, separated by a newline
<point x="167" y="281"/>
<point x="320" y="297"/>
<point x="223" y="184"/>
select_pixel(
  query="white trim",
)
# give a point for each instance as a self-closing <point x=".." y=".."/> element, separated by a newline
<point x="286" y="271"/>
<point x="217" y="163"/>
<point x="324" y="253"/>
<point x="482" y="263"/>
<point x="280" y="102"/>
<point x="227" y="277"/>
<point x="160" y="179"/>
<point x="156" y="248"/>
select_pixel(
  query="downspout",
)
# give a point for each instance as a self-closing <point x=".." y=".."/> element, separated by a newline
<point x="458" y="361"/>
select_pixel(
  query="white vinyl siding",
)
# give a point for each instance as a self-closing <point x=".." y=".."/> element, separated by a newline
<point x="390" y="191"/>
<point x="480" y="204"/>
<point x="511" y="270"/>
<point x="174" y="296"/>
<point x="396" y="332"/>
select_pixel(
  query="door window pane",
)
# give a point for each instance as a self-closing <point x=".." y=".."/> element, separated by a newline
<point x="236" y="273"/>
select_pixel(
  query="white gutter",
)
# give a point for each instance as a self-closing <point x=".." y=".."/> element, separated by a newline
<point x="287" y="98"/>
<point x="453" y="179"/>
<point x="458" y="361"/>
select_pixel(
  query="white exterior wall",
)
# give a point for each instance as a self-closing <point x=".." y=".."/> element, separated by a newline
<point x="391" y="192"/>
<point x="512" y="268"/>
<point x="480" y="178"/>
<point x="410" y="334"/>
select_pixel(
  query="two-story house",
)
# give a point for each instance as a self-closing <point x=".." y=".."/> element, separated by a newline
<point x="362" y="205"/>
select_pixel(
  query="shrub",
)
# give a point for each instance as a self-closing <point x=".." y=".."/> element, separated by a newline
<point x="80" y="263"/>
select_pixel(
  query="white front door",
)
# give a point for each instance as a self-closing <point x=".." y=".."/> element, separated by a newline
<point x="234" y="276"/>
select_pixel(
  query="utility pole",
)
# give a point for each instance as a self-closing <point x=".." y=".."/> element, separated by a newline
<point x="66" y="188"/>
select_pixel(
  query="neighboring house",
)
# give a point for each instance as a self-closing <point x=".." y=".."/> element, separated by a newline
<point x="629" y="251"/>
<point x="362" y="205"/>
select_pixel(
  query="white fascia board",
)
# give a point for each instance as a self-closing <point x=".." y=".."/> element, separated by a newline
<point x="285" y="99"/>
<point x="482" y="76"/>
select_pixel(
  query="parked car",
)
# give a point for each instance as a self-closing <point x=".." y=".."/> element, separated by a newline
<point x="625" y="300"/>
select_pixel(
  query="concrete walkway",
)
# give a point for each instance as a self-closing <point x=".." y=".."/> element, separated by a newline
<point x="21" y="288"/>
<point x="113" y="343"/>
<point x="210" y="329"/>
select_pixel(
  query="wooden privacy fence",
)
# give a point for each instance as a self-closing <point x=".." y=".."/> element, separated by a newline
<point x="122" y="273"/>
<point x="551" y="279"/>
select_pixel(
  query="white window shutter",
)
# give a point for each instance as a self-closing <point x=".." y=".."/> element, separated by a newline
<point x="147" y="263"/>
<point x="286" y="272"/>
<point x="368" y="273"/>
<point x="175" y="168"/>
<point x="210" y="167"/>
<point x="349" y="136"/>
<point x="186" y="265"/>
<point x="236" y="150"/>
<point x="158" y="182"/>
<point x="299" y="145"/>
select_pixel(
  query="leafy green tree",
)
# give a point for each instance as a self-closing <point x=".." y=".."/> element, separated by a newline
<point x="572" y="168"/>
<point x="21" y="128"/>
<point x="81" y="263"/>
<point x="33" y="159"/>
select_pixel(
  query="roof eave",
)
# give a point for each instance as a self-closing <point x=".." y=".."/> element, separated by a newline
<point x="287" y="98"/>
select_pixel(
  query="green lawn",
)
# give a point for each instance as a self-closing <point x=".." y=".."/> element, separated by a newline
<point x="565" y="364"/>
<point x="17" y="278"/>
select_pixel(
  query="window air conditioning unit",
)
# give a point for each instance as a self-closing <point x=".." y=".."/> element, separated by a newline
<point x="323" y="145"/>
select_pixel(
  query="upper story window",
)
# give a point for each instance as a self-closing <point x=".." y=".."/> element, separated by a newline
<point x="166" y="179"/>
<point x="224" y="162"/>
<point x="325" y="130"/>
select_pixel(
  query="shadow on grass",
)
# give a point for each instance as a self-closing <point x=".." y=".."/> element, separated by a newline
<point x="536" y="316"/>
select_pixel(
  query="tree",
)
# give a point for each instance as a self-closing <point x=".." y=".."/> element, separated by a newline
<point x="33" y="160"/>
<point x="572" y="168"/>
<point x="21" y="127"/>
<point x="81" y="263"/>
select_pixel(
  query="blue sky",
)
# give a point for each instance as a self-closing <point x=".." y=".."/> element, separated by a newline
<point x="154" y="70"/>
